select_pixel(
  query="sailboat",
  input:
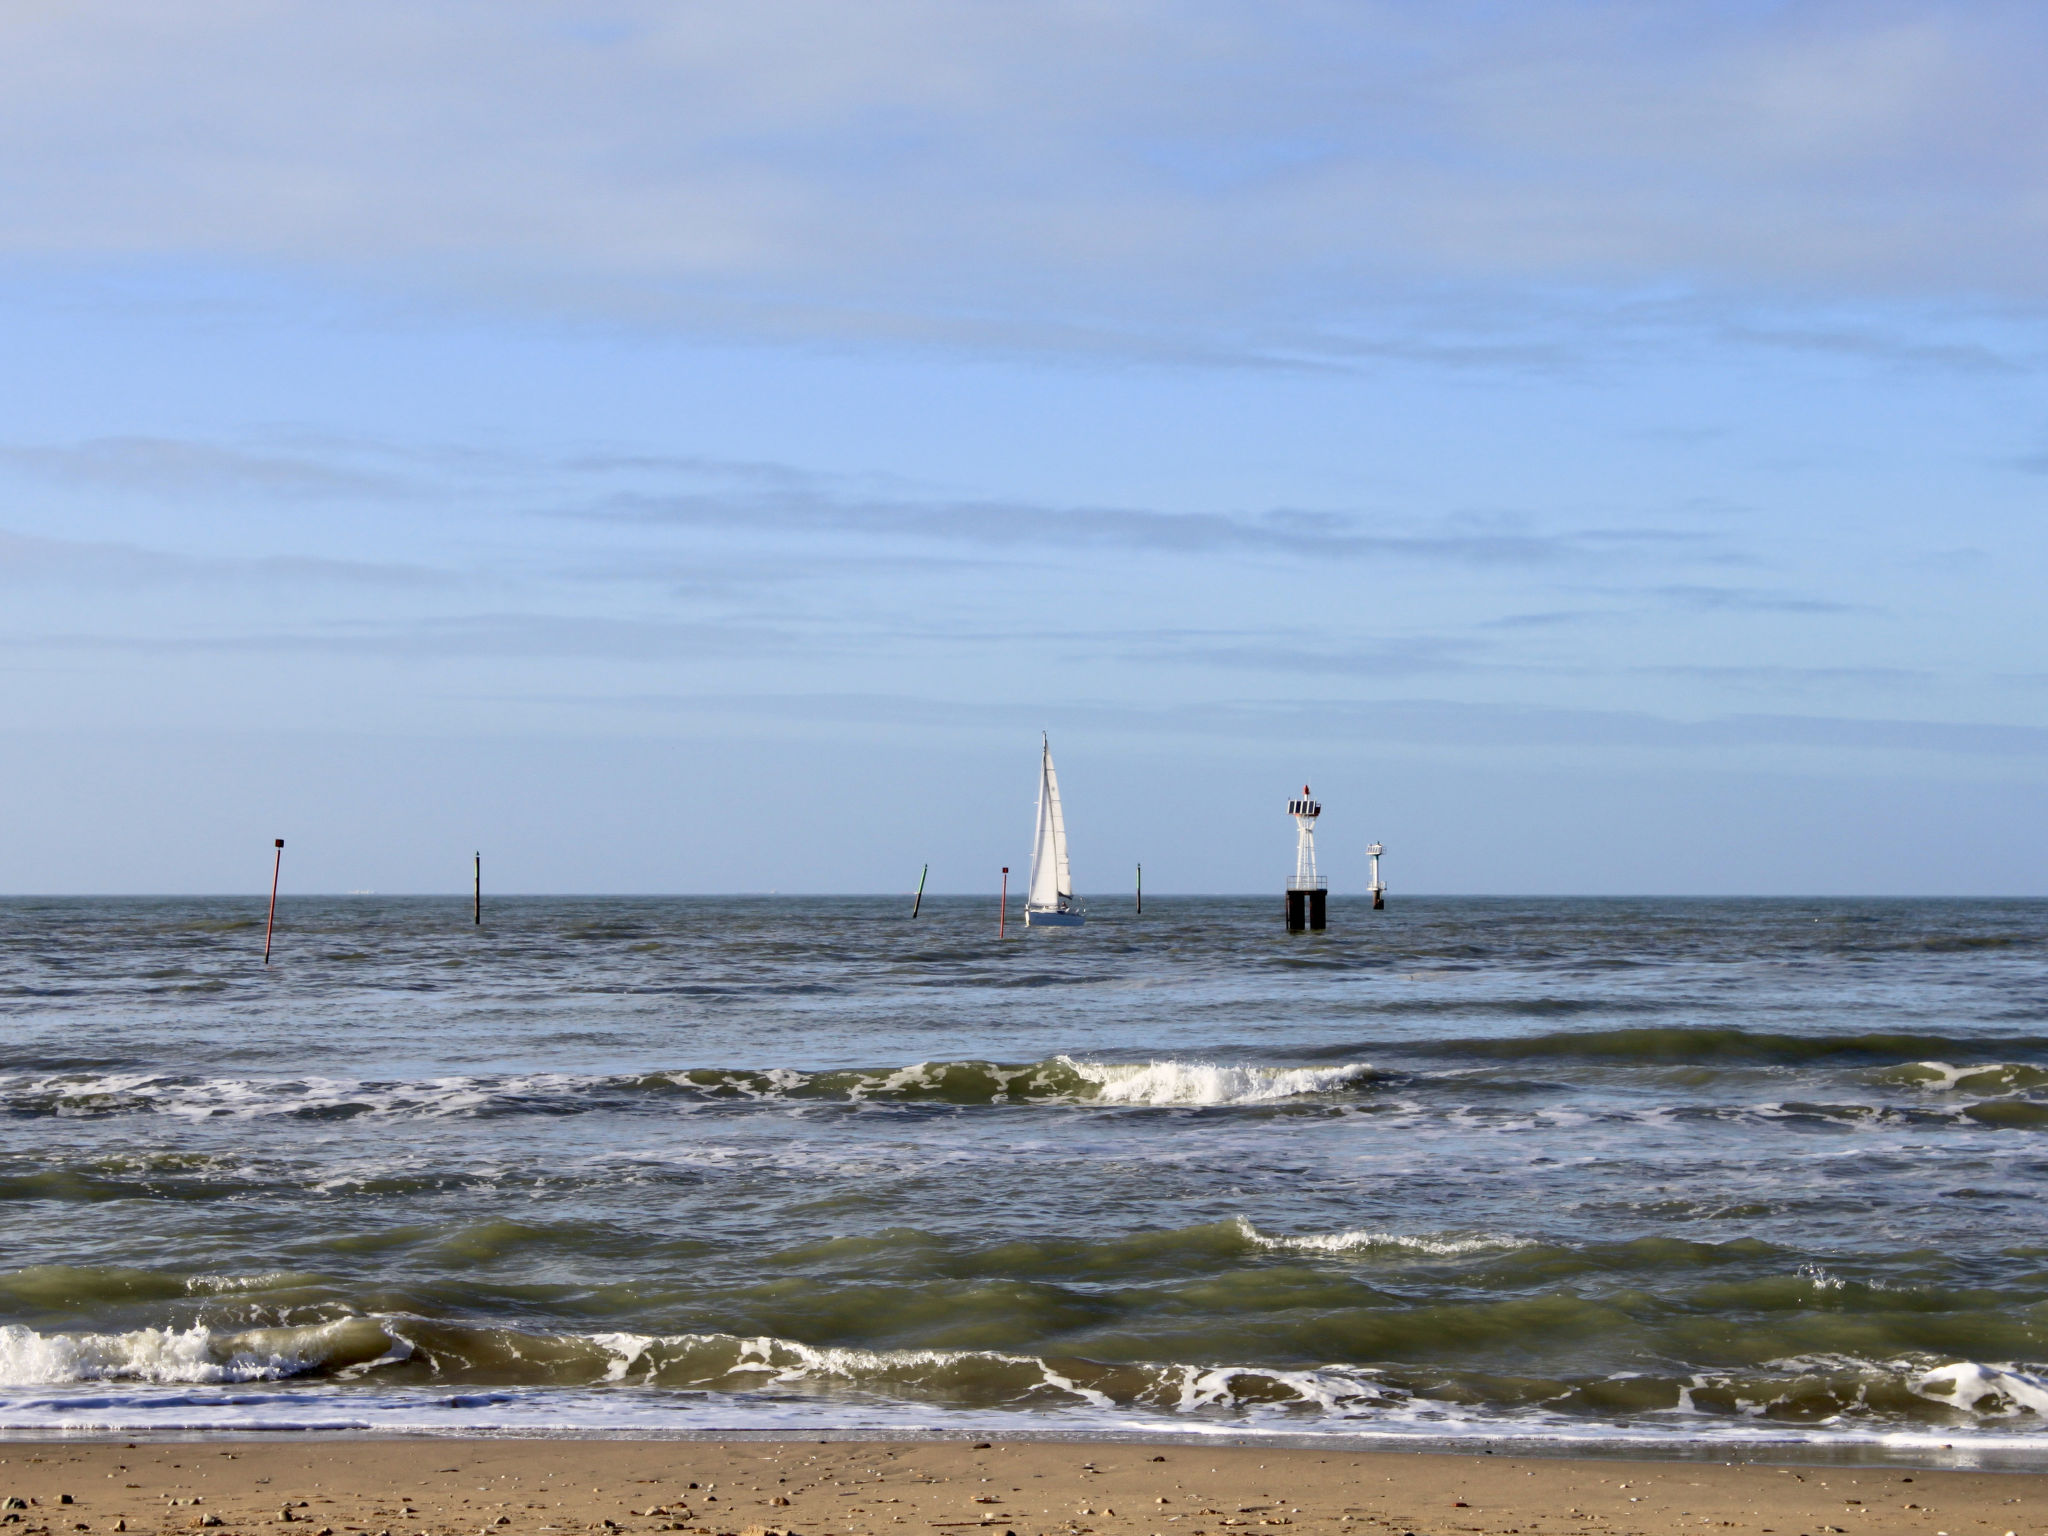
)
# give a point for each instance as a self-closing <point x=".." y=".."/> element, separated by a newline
<point x="1050" y="903"/>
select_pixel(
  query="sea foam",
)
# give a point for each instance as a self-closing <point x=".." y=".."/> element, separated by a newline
<point x="1199" y="1082"/>
<point x="1062" y="1079"/>
<point x="193" y="1355"/>
<point x="1435" y="1245"/>
<point x="2000" y="1391"/>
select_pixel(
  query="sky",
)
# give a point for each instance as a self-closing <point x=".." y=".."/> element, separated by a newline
<point x="676" y="447"/>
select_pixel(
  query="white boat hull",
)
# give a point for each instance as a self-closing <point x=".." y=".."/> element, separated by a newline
<point x="1054" y="919"/>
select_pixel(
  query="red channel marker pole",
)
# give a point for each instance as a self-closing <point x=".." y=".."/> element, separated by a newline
<point x="267" y="927"/>
<point x="1003" y="912"/>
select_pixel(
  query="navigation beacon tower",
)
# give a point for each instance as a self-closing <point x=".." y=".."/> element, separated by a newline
<point x="1379" y="886"/>
<point x="1307" y="892"/>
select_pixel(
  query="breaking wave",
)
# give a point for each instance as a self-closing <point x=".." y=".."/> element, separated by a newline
<point x="1990" y="1077"/>
<point x="195" y="1354"/>
<point x="1361" y="1241"/>
<point x="1060" y="1080"/>
<point x="424" y="1368"/>
<point x="1180" y="1082"/>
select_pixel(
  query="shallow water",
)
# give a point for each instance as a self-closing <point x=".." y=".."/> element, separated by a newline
<point x="1689" y="1172"/>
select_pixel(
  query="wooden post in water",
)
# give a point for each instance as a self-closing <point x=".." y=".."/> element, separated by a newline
<point x="269" y="927"/>
<point x="1003" y="912"/>
<point x="479" y="887"/>
<point x="920" y="890"/>
<point x="1141" y="890"/>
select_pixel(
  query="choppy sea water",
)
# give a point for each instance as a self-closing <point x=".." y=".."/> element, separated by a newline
<point x="1691" y="1173"/>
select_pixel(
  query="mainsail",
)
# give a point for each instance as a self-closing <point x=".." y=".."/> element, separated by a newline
<point x="1052" y="886"/>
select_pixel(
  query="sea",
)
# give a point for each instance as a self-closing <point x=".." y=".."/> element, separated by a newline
<point x="1709" y="1177"/>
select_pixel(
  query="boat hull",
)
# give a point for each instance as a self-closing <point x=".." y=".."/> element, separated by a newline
<point x="1053" y="919"/>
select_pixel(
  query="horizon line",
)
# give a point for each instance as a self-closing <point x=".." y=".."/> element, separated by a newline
<point x="1106" y="906"/>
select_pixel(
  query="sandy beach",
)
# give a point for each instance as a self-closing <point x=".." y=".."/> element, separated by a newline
<point x="441" y="1487"/>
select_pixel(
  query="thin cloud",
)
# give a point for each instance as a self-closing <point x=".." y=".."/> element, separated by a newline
<point x="1747" y="600"/>
<point x="514" y="635"/>
<point x="727" y="575"/>
<point x="1776" y="677"/>
<point x="801" y="508"/>
<point x="184" y="467"/>
<point x="1874" y="345"/>
<point x="1052" y="174"/>
<point x="29" y="557"/>
<point x="1369" y="659"/>
<point x="1555" y="618"/>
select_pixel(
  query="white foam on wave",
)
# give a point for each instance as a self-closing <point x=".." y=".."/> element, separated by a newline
<point x="221" y="1285"/>
<point x="1165" y="1082"/>
<point x="1989" y="1077"/>
<point x="254" y="1097"/>
<point x="1996" y="1391"/>
<point x="1150" y="1388"/>
<point x="1436" y="1245"/>
<point x="924" y="1076"/>
<point x="739" y="1368"/>
<point x="1936" y="1076"/>
<point x="195" y="1355"/>
<point x="1334" y="1390"/>
<point x="197" y="1380"/>
<point x="1202" y="1082"/>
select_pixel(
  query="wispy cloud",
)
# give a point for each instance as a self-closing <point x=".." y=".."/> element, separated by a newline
<point x="1556" y="618"/>
<point x="27" y="557"/>
<point x="1373" y="659"/>
<point x="1048" y="175"/>
<point x="717" y="575"/>
<point x="166" y="466"/>
<point x="1716" y="599"/>
<point x="815" y="505"/>
<point x="1871" y="343"/>
<point x="513" y="635"/>
<point x="1778" y="677"/>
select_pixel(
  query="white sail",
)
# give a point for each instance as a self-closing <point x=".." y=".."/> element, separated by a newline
<point x="1052" y="885"/>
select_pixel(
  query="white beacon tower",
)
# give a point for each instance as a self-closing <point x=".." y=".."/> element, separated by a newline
<point x="1379" y="886"/>
<point x="1307" y="892"/>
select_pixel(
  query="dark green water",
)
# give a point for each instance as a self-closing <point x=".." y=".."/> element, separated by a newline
<point x="1685" y="1172"/>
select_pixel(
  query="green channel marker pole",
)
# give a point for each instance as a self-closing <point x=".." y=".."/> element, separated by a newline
<point x="920" y="890"/>
<point x="479" y="887"/>
<point x="1141" y="890"/>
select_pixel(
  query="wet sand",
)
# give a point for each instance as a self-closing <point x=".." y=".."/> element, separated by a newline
<point x="449" y="1487"/>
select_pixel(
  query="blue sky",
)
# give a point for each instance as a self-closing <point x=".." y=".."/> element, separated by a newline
<point x="695" y="448"/>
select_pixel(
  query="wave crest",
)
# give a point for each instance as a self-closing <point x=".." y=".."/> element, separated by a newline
<point x="1060" y="1080"/>
<point x="496" y="1369"/>
<point x="1434" y="1245"/>
<point x="1184" y="1082"/>
<point x="1988" y="1077"/>
<point x="195" y="1355"/>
